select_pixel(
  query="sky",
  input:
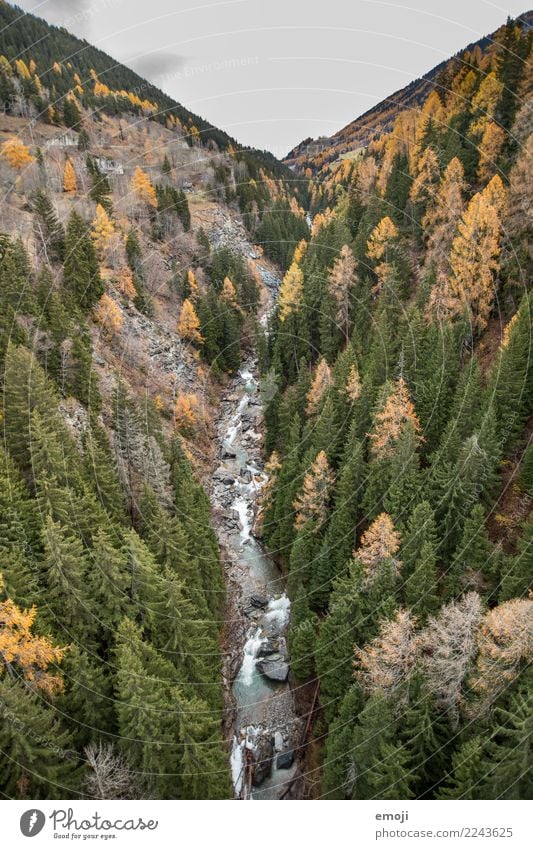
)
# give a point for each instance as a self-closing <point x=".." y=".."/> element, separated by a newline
<point x="273" y="72"/>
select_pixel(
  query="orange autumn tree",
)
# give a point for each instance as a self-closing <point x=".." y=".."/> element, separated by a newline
<point x="341" y="280"/>
<point x="379" y="543"/>
<point x="312" y="502"/>
<point x="505" y="644"/>
<point x="474" y="256"/>
<point x="108" y="315"/>
<point x="192" y="283"/>
<point x="353" y="384"/>
<point x="397" y="414"/>
<point x="32" y="655"/>
<point x="319" y="386"/>
<point x="229" y="294"/>
<point x="489" y="149"/>
<point x="186" y="414"/>
<point x="291" y="292"/>
<point x="189" y="323"/>
<point x="16" y="153"/>
<point x="443" y="215"/>
<point x="101" y="230"/>
<point x="142" y="187"/>
<point x="427" y="177"/>
<point x="69" y="178"/>
<point x="380" y="245"/>
<point x="385" y="663"/>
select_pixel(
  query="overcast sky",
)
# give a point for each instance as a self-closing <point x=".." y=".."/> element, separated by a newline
<point x="273" y="72"/>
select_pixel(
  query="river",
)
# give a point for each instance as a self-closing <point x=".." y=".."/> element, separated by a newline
<point x="264" y="727"/>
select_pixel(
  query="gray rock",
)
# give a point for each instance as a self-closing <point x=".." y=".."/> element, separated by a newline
<point x="278" y="741"/>
<point x="257" y="600"/>
<point x="285" y="760"/>
<point x="228" y="455"/>
<point x="228" y="481"/>
<point x="262" y="760"/>
<point x="268" y="648"/>
<point x="274" y="668"/>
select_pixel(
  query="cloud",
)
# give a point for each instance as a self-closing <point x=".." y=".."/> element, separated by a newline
<point x="157" y="64"/>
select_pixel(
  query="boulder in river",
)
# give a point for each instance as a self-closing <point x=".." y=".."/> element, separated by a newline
<point x="228" y="455"/>
<point x="285" y="760"/>
<point x="257" y="600"/>
<point x="262" y="760"/>
<point x="274" y="667"/>
<point x="268" y="647"/>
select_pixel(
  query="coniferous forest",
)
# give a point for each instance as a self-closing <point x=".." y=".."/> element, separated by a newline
<point x="394" y="356"/>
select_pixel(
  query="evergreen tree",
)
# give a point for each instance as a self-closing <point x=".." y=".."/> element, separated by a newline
<point x="82" y="274"/>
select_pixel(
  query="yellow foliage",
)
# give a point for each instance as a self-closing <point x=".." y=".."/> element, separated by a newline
<point x="291" y="291"/>
<point x="57" y="68"/>
<point x="319" y="386"/>
<point x="229" y="294"/>
<point x="299" y="251"/>
<point x="398" y="412"/>
<point x="18" y="646"/>
<point x="16" y="153"/>
<point x="22" y="69"/>
<point x="489" y="149"/>
<point x="193" y="285"/>
<point x="142" y="187"/>
<point x="125" y="284"/>
<point x="108" y="315"/>
<point x="381" y="541"/>
<point x="474" y="255"/>
<point x="102" y="229"/>
<point x="186" y="413"/>
<point x="69" y="177"/>
<point x="189" y="323"/>
<point x="353" y="384"/>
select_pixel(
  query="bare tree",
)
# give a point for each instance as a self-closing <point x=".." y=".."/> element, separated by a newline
<point x="110" y="776"/>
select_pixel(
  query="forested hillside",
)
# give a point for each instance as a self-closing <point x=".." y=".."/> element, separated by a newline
<point x="399" y="430"/>
<point x="140" y="254"/>
<point x="119" y="322"/>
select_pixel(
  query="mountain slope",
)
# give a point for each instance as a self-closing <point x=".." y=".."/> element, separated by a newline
<point x="317" y="153"/>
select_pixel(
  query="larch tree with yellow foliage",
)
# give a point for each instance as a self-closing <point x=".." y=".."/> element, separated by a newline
<point x="319" y="386"/>
<point x="102" y="230"/>
<point x="108" y="315"/>
<point x="489" y="149"/>
<point x="380" y="543"/>
<point x="186" y="414"/>
<point x="229" y="294"/>
<point x="427" y="177"/>
<point x="142" y="188"/>
<point x="291" y="292"/>
<point x="22" y="651"/>
<point x="189" y="323"/>
<point x="16" y="153"/>
<point x="192" y="284"/>
<point x="474" y="256"/>
<point x="70" y="182"/>
<point x="390" y="422"/>
<point x="380" y="247"/>
<point x="341" y="281"/>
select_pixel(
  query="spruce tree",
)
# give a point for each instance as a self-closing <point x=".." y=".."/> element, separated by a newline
<point x="81" y="269"/>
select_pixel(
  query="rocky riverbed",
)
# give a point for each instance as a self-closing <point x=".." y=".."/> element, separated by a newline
<point x="264" y="727"/>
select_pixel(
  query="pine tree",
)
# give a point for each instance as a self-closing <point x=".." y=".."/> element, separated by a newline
<point x="421" y="529"/>
<point x="312" y="503"/>
<point x="472" y="564"/>
<point x="39" y="760"/>
<point x="510" y="750"/>
<point x="81" y="274"/>
<point x="468" y="772"/>
<point x="50" y="231"/>
<point x="517" y="572"/>
<point x="421" y="586"/>
<point x="65" y="570"/>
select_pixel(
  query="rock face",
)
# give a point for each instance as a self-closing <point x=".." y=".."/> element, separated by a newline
<point x="274" y="667"/>
<point x="257" y="600"/>
<point x="262" y="760"/>
<point x="285" y="760"/>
